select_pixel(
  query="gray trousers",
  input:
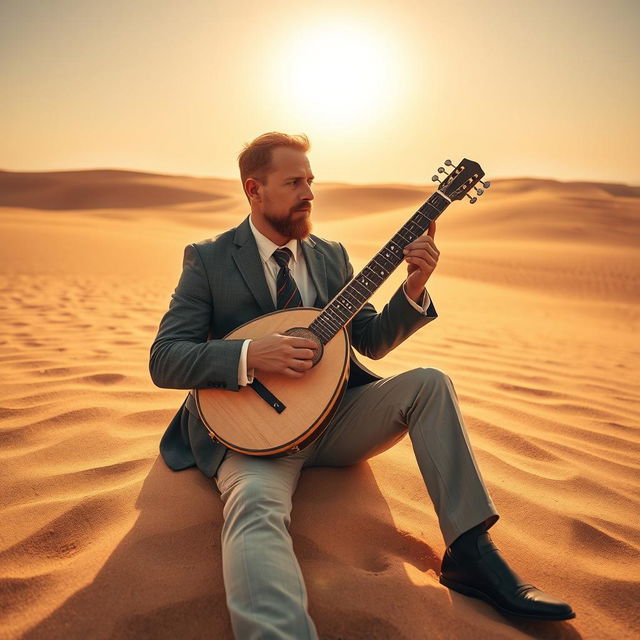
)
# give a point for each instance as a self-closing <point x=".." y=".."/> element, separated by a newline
<point x="265" y="590"/>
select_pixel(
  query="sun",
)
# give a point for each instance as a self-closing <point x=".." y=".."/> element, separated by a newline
<point x="338" y="75"/>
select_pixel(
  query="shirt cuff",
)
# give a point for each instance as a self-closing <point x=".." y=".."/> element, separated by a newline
<point x="245" y="376"/>
<point x="426" y="300"/>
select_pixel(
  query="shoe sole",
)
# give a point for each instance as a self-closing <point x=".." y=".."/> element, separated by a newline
<point x="476" y="593"/>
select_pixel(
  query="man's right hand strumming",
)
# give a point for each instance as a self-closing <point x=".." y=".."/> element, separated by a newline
<point x="288" y="355"/>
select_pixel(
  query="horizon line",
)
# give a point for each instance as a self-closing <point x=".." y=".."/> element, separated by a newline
<point x="318" y="182"/>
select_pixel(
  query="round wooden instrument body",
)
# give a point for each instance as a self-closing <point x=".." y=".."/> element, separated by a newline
<point x="242" y="420"/>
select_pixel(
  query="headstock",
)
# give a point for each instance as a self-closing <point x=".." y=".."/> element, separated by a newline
<point x="461" y="180"/>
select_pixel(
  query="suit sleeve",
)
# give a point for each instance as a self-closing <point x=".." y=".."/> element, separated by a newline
<point x="375" y="334"/>
<point x="181" y="356"/>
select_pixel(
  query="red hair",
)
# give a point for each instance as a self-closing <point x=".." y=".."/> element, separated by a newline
<point x="255" y="158"/>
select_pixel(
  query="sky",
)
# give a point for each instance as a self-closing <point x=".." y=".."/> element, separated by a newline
<point x="384" y="90"/>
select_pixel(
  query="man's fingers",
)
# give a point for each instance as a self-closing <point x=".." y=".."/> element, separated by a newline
<point x="423" y="242"/>
<point x="304" y="354"/>
<point x="422" y="263"/>
<point x="300" y="366"/>
<point x="426" y="252"/>
<point x="302" y="343"/>
<point x="432" y="229"/>
<point x="298" y="363"/>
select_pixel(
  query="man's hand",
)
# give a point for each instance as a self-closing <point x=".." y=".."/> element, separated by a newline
<point x="288" y="355"/>
<point x="422" y="258"/>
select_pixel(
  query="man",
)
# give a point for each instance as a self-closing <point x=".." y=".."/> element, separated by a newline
<point x="272" y="261"/>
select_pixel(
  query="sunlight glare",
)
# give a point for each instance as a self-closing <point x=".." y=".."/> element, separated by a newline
<point x="338" y="75"/>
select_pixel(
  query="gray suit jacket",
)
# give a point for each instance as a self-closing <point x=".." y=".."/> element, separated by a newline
<point x="223" y="286"/>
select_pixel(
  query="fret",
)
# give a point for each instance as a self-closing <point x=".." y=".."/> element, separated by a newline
<point x="350" y="309"/>
<point x="386" y="263"/>
<point x="372" y="276"/>
<point x="343" y="310"/>
<point x="420" y="220"/>
<point x="364" y="280"/>
<point x="345" y="314"/>
<point x="422" y="226"/>
<point x="336" y="309"/>
<point x="399" y="241"/>
<point x="390" y="257"/>
<point x="395" y="249"/>
<point x="360" y="299"/>
<point x="352" y="294"/>
<point x="320" y="331"/>
<point x="379" y="271"/>
<point x="329" y="320"/>
<point x="325" y="330"/>
<point x="412" y="230"/>
<point x="360" y="284"/>
<point x="407" y="240"/>
<point x="347" y="305"/>
<point x="326" y="322"/>
<point x="426" y="217"/>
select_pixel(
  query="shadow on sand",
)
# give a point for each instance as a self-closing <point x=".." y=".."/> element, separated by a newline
<point x="164" y="579"/>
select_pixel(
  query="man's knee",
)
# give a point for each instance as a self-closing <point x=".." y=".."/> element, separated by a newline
<point x="430" y="376"/>
<point x="255" y="498"/>
<point x="421" y="384"/>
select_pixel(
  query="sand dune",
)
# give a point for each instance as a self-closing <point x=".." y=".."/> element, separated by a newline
<point x="537" y="292"/>
<point x="99" y="189"/>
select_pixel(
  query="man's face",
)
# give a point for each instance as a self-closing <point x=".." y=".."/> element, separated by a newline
<point x="286" y="196"/>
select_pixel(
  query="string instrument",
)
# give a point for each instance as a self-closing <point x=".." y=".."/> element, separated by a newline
<point x="277" y="415"/>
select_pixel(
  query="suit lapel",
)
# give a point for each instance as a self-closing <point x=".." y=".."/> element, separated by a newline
<point x="317" y="271"/>
<point x="247" y="259"/>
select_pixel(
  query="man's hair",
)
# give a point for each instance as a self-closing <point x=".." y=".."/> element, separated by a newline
<point x="255" y="158"/>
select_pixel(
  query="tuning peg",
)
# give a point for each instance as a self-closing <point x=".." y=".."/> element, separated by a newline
<point x="479" y="191"/>
<point x="435" y="179"/>
<point x="486" y="185"/>
<point x="441" y="170"/>
<point x="448" y="163"/>
<point x="473" y="200"/>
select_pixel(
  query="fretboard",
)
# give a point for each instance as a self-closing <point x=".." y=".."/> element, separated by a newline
<point x="355" y="293"/>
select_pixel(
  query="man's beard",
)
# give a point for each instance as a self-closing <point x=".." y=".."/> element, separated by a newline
<point x="288" y="227"/>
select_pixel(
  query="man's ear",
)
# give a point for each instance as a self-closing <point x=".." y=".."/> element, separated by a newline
<point x="252" y="188"/>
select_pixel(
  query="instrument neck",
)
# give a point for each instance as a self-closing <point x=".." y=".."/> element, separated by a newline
<point x="352" y="297"/>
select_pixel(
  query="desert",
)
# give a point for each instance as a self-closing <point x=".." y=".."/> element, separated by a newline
<point x="537" y="291"/>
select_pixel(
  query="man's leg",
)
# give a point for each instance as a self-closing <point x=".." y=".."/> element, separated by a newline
<point x="423" y="403"/>
<point x="265" y="590"/>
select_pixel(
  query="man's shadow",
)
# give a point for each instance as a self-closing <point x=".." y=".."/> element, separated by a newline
<point x="164" y="579"/>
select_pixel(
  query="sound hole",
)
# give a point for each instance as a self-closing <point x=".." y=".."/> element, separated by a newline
<point x="304" y="332"/>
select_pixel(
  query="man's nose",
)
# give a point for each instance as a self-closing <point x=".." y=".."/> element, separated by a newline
<point x="309" y="194"/>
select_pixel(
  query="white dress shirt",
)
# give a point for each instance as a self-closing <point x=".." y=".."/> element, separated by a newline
<point x="300" y="273"/>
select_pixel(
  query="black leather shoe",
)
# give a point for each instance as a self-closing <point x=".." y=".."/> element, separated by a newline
<point x="487" y="576"/>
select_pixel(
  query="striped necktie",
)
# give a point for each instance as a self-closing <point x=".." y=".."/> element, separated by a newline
<point x="287" y="293"/>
